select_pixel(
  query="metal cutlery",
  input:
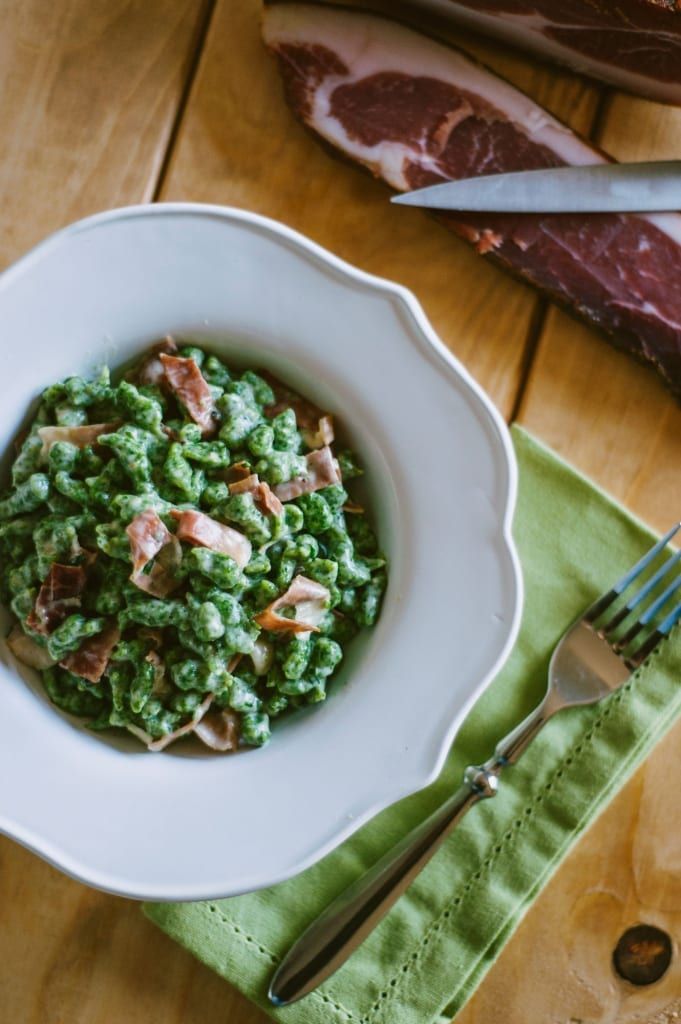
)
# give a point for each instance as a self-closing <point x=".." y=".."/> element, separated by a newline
<point x="596" y="655"/>
<point x="653" y="185"/>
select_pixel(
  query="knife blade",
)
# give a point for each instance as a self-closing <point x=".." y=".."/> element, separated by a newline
<point x="651" y="186"/>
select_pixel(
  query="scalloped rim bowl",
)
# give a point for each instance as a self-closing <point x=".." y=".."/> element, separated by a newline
<point x="440" y="482"/>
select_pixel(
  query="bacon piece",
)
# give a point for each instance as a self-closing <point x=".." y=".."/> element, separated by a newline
<point x="322" y="436"/>
<point x="57" y="598"/>
<point x="219" y="730"/>
<point x="152" y="370"/>
<point x="161" y="685"/>
<point x="322" y="471"/>
<point x="307" y="413"/>
<point x="199" y="529"/>
<point x="80" y="436"/>
<point x="234" y="661"/>
<point x="310" y="600"/>
<point x="184" y="730"/>
<point x="149" y="536"/>
<point x="261" y="656"/>
<point x="238" y="471"/>
<point x="25" y="649"/>
<point x="192" y="390"/>
<point x="92" y="657"/>
<point x="263" y="495"/>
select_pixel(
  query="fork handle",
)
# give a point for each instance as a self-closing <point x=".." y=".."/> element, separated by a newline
<point x="348" y="919"/>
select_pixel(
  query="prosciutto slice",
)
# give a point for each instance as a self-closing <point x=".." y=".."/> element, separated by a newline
<point x="322" y="471"/>
<point x="633" y="44"/>
<point x="152" y="370"/>
<point x="263" y="495"/>
<point x="184" y="730"/>
<point x="199" y="529"/>
<point x="310" y="601"/>
<point x="25" y="649"/>
<point x="150" y="537"/>
<point x="219" y="730"/>
<point x="92" y="657"/>
<point x="79" y="436"/>
<point x="307" y="413"/>
<point x="191" y="389"/>
<point x="58" y="597"/>
<point x="323" y="435"/>
<point x="416" y="112"/>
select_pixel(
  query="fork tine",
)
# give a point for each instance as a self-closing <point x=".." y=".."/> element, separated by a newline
<point x="648" y="646"/>
<point x="640" y="595"/>
<point x="648" y="615"/>
<point x="603" y="603"/>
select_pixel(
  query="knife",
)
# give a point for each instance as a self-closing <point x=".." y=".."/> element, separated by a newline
<point x="599" y="188"/>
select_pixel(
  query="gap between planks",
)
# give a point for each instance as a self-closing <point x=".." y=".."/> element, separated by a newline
<point x="192" y="69"/>
<point x="540" y="313"/>
<point x="542" y="305"/>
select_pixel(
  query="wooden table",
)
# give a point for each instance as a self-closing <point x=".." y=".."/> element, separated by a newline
<point x="108" y="102"/>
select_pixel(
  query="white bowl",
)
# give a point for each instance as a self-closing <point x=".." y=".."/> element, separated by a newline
<point x="441" y="477"/>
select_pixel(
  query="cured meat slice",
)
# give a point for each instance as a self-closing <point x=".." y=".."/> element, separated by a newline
<point x="322" y="471"/>
<point x="633" y="44"/>
<point x="147" y="534"/>
<point x="79" y="436"/>
<point x="263" y="495"/>
<point x="200" y="529"/>
<point x="262" y="656"/>
<point x="307" y="413"/>
<point x="308" y="598"/>
<point x="152" y="370"/>
<point x="191" y="388"/>
<point x="322" y="435"/>
<point x="90" y="660"/>
<point x="58" y="597"/>
<point x="219" y="730"/>
<point x="149" y="537"/>
<point x="25" y="649"/>
<point x="184" y="730"/>
<point x="417" y="112"/>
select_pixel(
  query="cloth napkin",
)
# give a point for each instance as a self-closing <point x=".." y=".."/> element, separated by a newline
<point x="430" y="953"/>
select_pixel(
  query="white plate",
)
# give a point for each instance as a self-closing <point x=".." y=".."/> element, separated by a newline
<point x="441" y="476"/>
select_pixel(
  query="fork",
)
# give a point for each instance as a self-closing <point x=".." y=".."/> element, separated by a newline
<point x="595" y="656"/>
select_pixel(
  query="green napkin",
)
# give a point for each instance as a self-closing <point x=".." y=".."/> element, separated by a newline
<point x="433" y="949"/>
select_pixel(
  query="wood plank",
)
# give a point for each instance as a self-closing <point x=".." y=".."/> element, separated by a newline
<point x="88" y="97"/>
<point x="625" y="871"/>
<point x="70" y="955"/>
<point x="240" y="145"/>
<point x="614" y="419"/>
<point x="595" y="405"/>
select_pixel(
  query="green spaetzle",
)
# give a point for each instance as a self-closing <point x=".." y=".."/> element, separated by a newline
<point x="172" y="546"/>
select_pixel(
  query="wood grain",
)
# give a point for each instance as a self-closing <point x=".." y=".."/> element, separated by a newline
<point x="614" y="420"/>
<point x="240" y="145"/>
<point x="89" y="90"/>
<point x="89" y="93"/>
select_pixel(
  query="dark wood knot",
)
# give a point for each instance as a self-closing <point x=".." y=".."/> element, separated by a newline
<point x="642" y="954"/>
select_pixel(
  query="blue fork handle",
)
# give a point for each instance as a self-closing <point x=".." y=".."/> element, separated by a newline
<point x="347" y="921"/>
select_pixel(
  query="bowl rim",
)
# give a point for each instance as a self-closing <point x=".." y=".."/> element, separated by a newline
<point x="405" y="300"/>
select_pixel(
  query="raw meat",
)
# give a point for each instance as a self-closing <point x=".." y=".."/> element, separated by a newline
<point x="633" y="44"/>
<point x="416" y="112"/>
